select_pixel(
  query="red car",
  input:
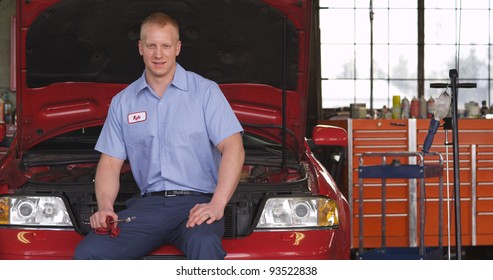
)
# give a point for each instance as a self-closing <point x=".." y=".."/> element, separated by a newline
<point x="73" y="56"/>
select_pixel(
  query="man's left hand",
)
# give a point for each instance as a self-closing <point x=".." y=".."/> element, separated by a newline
<point x="206" y="212"/>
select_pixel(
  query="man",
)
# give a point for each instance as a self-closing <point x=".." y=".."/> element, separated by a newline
<point x="184" y="145"/>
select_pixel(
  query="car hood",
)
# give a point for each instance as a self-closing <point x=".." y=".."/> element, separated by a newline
<point x="77" y="54"/>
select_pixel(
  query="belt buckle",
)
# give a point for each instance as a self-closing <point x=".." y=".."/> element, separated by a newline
<point x="169" y="194"/>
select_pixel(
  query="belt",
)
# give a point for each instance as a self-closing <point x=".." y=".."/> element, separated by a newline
<point x="172" y="193"/>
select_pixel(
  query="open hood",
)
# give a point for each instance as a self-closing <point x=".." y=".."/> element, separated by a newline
<point x="77" y="54"/>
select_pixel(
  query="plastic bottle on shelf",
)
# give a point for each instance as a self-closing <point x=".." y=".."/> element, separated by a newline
<point x="405" y="108"/>
<point x="430" y="106"/>
<point x="484" y="108"/>
<point x="414" y="111"/>
<point x="423" y="108"/>
<point x="474" y="110"/>
<point x="396" y="107"/>
<point x="386" y="113"/>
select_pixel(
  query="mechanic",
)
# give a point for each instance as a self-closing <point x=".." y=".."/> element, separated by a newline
<point x="185" y="149"/>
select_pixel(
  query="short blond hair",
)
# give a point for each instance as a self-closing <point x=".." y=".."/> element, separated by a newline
<point x="161" y="19"/>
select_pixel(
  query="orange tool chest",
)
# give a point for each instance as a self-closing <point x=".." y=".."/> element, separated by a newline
<point x="407" y="135"/>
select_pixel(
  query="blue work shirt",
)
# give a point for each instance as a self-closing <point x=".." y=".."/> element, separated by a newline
<point x="170" y="141"/>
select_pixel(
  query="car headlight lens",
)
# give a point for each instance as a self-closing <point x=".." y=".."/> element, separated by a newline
<point x="299" y="212"/>
<point x="34" y="211"/>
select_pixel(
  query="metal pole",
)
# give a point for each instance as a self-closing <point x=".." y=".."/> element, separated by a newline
<point x="371" y="59"/>
<point x="453" y="74"/>
<point x="455" y="152"/>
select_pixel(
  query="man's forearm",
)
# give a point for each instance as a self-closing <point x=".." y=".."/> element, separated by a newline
<point x="107" y="182"/>
<point x="106" y="196"/>
<point x="233" y="156"/>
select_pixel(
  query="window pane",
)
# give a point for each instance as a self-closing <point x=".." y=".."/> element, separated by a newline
<point x="441" y="4"/>
<point x="438" y="61"/>
<point x="402" y="4"/>
<point x="403" y="88"/>
<point x="363" y="4"/>
<point x="337" y="93"/>
<point x="380" y="94"/>
<point x="475" y="4"/>
<point x="379" y="3"/>
<point x="476" y="95"/>
<point x="491" y="62"/>
<point x="337" y="61"/>
<point x="474" y="27"/>
<point x="473" y="62"/>
<point x="362" y="27"/>
<point x="491" y="26"/>
<point x="381" y="61"/>
<point x="381" y="27"/>
<point x="336" y="3"/>
<point x="337" y="26"/>
<point x="362" y="92"/>
<point x="440" y="26"/>
<point x="434" y="92"/>
<point x="403" y="62"/>
<point x="363" y="58"/>
<point x="403" y="26"/>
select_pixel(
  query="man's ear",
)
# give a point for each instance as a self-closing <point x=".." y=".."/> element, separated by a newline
<point x="178" y="48"/>
<point x="141" y="51"/>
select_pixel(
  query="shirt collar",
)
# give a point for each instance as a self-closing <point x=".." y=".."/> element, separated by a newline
<point x="141" y="83"/>
<point x="179" y="80"/>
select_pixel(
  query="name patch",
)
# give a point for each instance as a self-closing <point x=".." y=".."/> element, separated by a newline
<point x="137" y="117"/>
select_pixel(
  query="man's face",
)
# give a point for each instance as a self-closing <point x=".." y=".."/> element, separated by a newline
<point x="159" y="47"/>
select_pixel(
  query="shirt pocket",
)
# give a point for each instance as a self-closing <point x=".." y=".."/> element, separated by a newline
<point x="139" y="135"/>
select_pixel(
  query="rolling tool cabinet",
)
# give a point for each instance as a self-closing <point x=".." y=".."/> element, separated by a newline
<point x="414" y="167"/>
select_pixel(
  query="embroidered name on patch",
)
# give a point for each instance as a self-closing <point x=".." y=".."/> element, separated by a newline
<point x="137" y="117"/>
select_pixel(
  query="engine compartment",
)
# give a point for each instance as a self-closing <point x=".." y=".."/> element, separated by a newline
<point x="74" y="182"/>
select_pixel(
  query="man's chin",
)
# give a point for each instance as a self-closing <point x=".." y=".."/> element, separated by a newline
<point x="158" y="73"/>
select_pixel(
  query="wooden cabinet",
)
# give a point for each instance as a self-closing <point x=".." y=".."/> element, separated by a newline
<point x="476" y="182"/>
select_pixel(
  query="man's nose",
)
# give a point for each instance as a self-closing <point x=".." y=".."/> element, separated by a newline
<point x="159" y="52"/>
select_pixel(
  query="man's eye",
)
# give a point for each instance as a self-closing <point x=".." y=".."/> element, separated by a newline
<point x="151" y="46"/>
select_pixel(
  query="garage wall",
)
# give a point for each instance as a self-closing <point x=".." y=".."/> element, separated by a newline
<point x="7" y="10"/>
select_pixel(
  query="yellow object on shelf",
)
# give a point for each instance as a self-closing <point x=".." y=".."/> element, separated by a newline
<point x="396" y="107"/>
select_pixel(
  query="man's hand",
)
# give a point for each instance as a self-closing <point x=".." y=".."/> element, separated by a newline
<point x="206" y="212"/>
<point x="98" y="219"/>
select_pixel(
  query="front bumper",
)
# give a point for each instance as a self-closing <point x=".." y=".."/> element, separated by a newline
<point x="25" y="243"/>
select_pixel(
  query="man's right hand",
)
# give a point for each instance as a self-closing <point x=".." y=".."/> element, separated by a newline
<point x="98" y="219"/>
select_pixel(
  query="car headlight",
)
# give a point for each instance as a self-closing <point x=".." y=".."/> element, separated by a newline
<point x="298" y="212"/>
<point x="33" y="211"/>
